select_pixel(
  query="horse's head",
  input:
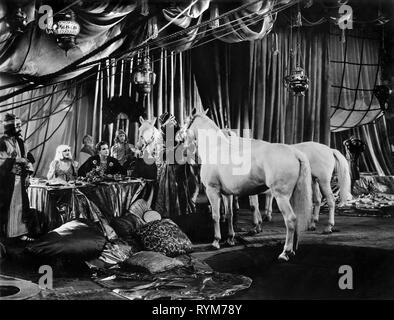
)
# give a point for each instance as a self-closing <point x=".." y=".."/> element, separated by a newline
<point x="147" y="133"/>
<point x="186" y="135"/>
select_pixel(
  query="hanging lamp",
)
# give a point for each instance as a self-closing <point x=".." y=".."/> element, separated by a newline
<point x="144" y="77"/>
<point x="297" y="81"/>
<point x="66" y="29"/>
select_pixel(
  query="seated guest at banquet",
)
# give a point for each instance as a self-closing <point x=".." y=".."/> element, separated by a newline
<point x="102" y="160"/>
<point x="87" y="150"/>
<point x="121" y="150"/>
<point x="63" y="167"/>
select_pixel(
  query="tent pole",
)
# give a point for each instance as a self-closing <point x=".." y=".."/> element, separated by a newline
<point x="94" y="126"/>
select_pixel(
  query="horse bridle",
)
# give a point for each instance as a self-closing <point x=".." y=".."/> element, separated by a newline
<point x="189" y="124"/>
<point x="151" y="139"/>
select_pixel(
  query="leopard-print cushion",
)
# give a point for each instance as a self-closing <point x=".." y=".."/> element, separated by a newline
<point x="164" y="236"/>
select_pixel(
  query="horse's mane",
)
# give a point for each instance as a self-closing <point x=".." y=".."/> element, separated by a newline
<point x="205" y="117"/>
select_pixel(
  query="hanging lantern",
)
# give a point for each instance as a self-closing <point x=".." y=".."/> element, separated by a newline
<point x="297" y="81"/>
<point x="66" y="29"/>
<point x="18" y="21"/>
<point x="144" y="78"/>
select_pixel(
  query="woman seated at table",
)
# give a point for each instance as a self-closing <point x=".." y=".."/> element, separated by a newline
<point x="63" y="167"/>
<point x="103" y="161"/>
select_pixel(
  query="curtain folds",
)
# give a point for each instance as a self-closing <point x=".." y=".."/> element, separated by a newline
<point x="244" y="85"/>
<point x="59" y="118"/>
<point x="377" y="157"/>
<point x="354" y="72"/>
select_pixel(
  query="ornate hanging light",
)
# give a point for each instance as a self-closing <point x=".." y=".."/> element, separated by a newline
<point x="297" y="81"/>
<point x="144" y="77"/>
<point x="18" y="21"/>
<point x="66" y="29"/>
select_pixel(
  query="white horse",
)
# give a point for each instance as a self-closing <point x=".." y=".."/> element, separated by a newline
<point x="324" y="161"/>
<point x="281" y="168"/>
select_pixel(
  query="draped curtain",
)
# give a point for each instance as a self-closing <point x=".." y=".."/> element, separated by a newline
<point x="377" y="157"/>
<point x="59" y="118"/>
<point x="354" y="72"/>
<point x="174" y="91"/>
<point x="244" y="85"/>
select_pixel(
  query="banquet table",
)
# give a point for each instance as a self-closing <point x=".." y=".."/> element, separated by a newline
<point x="56" y="205"/>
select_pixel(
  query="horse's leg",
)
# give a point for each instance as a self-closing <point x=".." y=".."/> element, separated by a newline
<point x="228" y="209"/>
<point x="316" y="205"/>
<point x="214" y="198"/>
<point x="268" y="206"/>
<point x="195" y="192"/>
<point x="254" y="206"/>
<point x="327" y="192"/>
<point x="290" y="221"/>
<point x="236" y="203"/>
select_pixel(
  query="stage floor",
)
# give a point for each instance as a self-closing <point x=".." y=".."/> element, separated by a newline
<point x="365" y="243"/>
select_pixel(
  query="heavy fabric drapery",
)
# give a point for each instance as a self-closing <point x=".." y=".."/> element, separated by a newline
<point x="377" y="157"/>
<point x="59" y="118"/>
<point x="353" y="74"/>
<point x="244" y="85"/>
<point x="116" y="27"/>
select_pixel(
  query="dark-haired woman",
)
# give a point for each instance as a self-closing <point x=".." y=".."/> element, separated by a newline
<point x="102" y="161"/>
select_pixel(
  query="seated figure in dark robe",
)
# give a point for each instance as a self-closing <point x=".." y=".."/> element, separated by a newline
<point x="102" y="162"/>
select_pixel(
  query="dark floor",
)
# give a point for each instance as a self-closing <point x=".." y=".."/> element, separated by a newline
<point x="364" y="243"/>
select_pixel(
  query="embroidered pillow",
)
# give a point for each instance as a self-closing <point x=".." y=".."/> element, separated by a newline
<point x="164" y="236"/>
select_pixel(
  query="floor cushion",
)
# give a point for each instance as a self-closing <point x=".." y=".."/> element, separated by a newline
<point x="74" y="239"/>
<point x="151" y="262"/>
<point x="164" y="236"/>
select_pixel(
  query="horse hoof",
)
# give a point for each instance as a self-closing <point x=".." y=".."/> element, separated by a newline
<point x="231" y="242"/>
<point x="259" y="229"/>
<point x="327" y="230"/>
<point x="215" y="245"/>
<point x="267" y="218"/>
<point x="285" y="255"/>
<point x="253" y="231"/>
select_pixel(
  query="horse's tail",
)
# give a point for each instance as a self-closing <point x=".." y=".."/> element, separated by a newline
<point x="301" y="199"/>
<point x="343" y="172"/>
